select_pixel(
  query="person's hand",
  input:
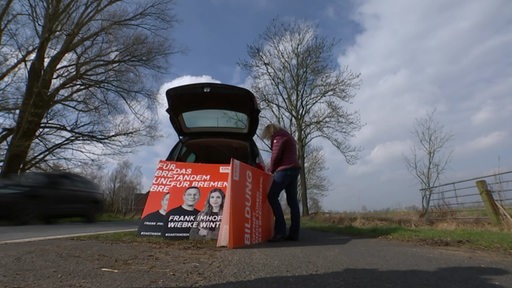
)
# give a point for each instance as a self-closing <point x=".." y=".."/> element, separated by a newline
<point x="203" y="232"/>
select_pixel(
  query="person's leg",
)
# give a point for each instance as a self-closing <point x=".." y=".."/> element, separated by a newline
<point x="273" y="199"/>
<point x="293" y="203"/>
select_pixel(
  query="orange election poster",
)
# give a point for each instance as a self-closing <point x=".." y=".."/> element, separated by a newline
<point x="179" y="193"/>
<point x="247" y="216"/>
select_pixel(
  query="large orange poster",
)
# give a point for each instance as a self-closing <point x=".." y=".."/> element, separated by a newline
<point x="185" y="201"/>
<point x="247" y="216"/>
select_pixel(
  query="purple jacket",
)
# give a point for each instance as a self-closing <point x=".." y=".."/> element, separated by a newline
<point x="284" y="151"/>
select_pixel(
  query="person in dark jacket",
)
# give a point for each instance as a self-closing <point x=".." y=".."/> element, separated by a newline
<point x="285" y="168"/>
<point x="153" y="223"/>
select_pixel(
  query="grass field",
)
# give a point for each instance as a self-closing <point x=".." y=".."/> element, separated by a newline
<point x="406" y="226"/>
<point x="393" y="225"/>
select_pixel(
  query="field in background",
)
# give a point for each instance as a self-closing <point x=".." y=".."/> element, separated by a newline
<point x="474" y="233"/>
<point x="400" y="225"/>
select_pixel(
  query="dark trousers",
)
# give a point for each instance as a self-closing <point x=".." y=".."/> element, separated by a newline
<point x="286" y="180"/>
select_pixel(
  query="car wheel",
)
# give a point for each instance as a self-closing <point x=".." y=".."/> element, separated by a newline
<point x="25" y="213"/>
<point x="49" y="220"/>
<point x="90" y="218"/>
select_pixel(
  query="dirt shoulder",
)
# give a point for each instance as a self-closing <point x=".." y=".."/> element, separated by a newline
<point x="318" y="260"/>
<point x="94" y="263"/>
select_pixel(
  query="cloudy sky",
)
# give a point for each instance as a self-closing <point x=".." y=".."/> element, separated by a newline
<point x="413" y="56"/>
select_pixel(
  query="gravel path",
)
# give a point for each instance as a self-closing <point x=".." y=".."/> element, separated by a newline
<point x="318" y="260"/>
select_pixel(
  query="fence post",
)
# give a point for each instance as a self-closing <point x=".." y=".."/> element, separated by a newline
<point x="490" y="205"/>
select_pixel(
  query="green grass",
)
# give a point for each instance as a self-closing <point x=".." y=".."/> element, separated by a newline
<point x="348" y="229"/>
<point x="457" y="237"/>
<point x="125" y="236"/>
<point x="476" y="239"/>
<point x="113" y="217"/>
<point x="159" y="242"/>
<point x="387" y="226"/>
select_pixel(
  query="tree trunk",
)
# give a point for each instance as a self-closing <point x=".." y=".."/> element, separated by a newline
<point x="34" y="107"/>
<point x="28" y="123"/>
<point x="303" y="183"/>
<point x="303" y="193"/>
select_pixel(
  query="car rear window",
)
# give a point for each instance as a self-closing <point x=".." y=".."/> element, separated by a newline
<point x="211" y="118"/>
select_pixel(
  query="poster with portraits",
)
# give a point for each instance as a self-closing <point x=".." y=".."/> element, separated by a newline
<point x="185" y="201"/>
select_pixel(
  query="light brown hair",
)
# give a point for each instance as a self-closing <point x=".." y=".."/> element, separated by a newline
<point x="269" y="130"/>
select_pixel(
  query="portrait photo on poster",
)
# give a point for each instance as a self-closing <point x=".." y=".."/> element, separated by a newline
<point x="208" y="221"/>
<point x="152" y="223"/>
<point x="179" y="220"/>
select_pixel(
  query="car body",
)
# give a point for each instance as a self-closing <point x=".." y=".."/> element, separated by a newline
<point x="46" y="196"/>
<point x="215" y="122"/>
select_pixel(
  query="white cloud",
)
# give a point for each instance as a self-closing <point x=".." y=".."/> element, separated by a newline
<point x="186" y="79"/>
<point x="148" y="157"/>
<point x="413" y="56"/>
<point x="484" y="143"/>
<point x="183" y="80"/>
<point x="485" y="114"/>
<point x="386" y="152"/>
<point x="383" y="155"/>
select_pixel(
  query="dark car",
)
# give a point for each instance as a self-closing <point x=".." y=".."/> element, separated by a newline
<point x="46" y="196"/>
<point x="214" y="122"/>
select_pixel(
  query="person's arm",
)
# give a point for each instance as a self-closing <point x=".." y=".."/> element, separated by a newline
<point x="277" y="147"/>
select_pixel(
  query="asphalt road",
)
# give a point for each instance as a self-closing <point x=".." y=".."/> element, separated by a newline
<point x="25" y="233"/>
<point x="317" y="260"/>
<point x="329" y="260"/>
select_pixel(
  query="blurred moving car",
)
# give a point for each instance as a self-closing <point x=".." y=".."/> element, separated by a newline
<point x="214" y="122"/>
<point x="45" y="196"/>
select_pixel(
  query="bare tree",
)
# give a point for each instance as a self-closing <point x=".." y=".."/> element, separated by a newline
<point x="8" y="71"/>
<point x="318" y="184"/>
<point x="76" y="78"/>
<point x="120" y="186"/>
<point x="427" y="161"/>
<point x="300" y="88"/>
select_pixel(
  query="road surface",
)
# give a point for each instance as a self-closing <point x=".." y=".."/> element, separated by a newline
<point x="25" y="233"/>
<point x="318" y="260"/>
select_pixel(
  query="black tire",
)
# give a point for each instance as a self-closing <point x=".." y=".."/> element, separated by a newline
<point x="25" y="213"/>
<point x="90" y="218"/>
